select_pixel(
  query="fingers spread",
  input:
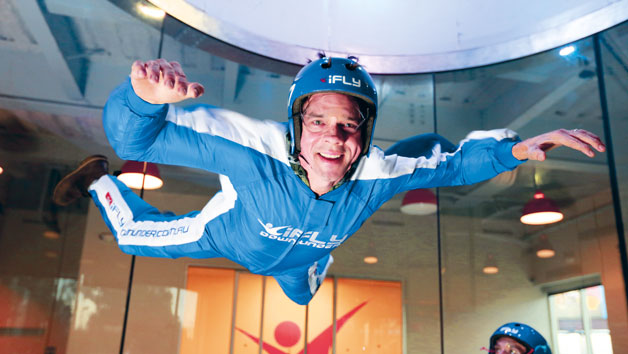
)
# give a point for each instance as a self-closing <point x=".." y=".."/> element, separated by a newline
<point x="152" y="68"/>
<point x="589" y="138"/>
<point x="138" y="71"/>
<point x="182" y="86"/>
<point x="177" y="69"/>
<point x="182" y="81"/>
<point x="168" y="73"/>
<point x="195" y="90"/>
<point x="167" y="83"/>
<point x="570" y="139"/>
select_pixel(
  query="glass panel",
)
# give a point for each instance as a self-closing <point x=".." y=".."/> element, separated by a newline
<point x="614" y="52"/>
<point x="71" y="53"/>
<point x="406" y="108"/>
<point x="571" y="343"/>
<point x="599" y="334"/>
<point x="284" y="321"/>
<point x="601" y="342"/>
<point x="58" y="63"/>
<point x="369" y="316"/>
<point x="405" y="244"/>
<point x="320" y="319"/>
<point x="567" y="309"/>
<point x="242" y="88"/>
<point x="66" y="291"/>
<point x="40" y="243"/>
<point x="615" y="57"/>
<point x="209" y="291"/>
<point x="408" y="111"/>
<point x="580" y="319"/>
<point x="156" y="280"/>
<point x="480" y="223"/>
<point x="248" y="319"/>
<point x="406" y="247"/>
<point x="596" y="306"/>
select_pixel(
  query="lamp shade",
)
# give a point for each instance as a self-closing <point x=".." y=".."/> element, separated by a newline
<point x="540" y="211"/>
<point x="51" y="234"/>
<point x="419" y="202"/>
<point x="490" y="265"/>
<point x="133" y="174"/>
<point x="370" y="259"/>
<point x="544" y="248"/>
<point x="371" y="255"/>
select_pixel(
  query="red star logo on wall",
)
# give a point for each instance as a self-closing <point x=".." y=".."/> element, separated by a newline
<point x="288" y="333"/>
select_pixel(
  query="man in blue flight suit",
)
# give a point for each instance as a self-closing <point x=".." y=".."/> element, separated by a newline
<point x="291" y="192"/>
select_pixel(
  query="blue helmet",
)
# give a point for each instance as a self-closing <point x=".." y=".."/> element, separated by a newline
<point x="525" y="335"/>
<point x="338" y="75"/>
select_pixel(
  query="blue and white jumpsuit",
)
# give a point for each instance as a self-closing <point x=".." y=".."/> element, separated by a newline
<point x="265" y="217"/>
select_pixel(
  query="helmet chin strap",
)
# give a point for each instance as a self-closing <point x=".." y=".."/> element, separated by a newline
<point x="304" y="159"/>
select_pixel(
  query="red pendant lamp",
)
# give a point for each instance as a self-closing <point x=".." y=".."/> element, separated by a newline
<point x="419" y="202"/>
<point x="540" y="211"/>
<point x="134" y="173"/>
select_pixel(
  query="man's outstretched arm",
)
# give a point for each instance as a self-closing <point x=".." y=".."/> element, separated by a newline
<point x="480" y="156"/>
<point x="535" y="148"/>
<point x="141" y="126"/>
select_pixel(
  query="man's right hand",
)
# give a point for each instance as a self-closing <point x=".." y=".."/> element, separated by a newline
<point x="160" y="81"/>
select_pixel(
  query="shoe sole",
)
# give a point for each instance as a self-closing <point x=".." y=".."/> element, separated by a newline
<point x="67" y="181"/>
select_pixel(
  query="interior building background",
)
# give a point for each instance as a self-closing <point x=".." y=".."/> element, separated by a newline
<point x="65" y="287"/>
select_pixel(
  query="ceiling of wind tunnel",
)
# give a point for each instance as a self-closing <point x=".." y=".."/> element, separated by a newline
<point x="59" y="60"/>
<point x="444" y="35"/>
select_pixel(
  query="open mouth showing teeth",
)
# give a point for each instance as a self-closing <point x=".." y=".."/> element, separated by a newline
<point x="329" y="156"/>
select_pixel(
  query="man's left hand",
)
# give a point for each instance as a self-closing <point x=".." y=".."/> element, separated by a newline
<point x="578" y="139"/>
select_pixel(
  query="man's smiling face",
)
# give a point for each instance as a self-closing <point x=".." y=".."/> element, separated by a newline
<point x="331" y="138"/>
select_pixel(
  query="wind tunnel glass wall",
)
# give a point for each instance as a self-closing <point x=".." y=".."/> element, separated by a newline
<point x="614" y="52"/>
<point x="480" y="224"/>
<point x="64" y="283"/>
<point x="396" y="239"/>
<point x="55" y="69"/>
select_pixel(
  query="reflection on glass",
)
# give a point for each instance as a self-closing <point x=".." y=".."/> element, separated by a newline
<point x="208" y="311"/>
<point x="40" y="246"/>
<point x="151" y="11"/>
<point x="284" y="321"/>
<point x="369" y="316"/>
<point x="63" y="290"/>
<point x="601" y="343"/>
<point x="615" y="57"/>
<point x="248" y="314"/>
<point x="573" y="343"/>
<point x="567" y="310"/>
<point x="57" y="294"/>
<point x="320" y="319"/>
<point x="531" y="96"/>
<point x="540" y="211"/>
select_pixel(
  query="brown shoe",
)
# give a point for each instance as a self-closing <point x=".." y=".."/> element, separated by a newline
<point x="75" y="184"/>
